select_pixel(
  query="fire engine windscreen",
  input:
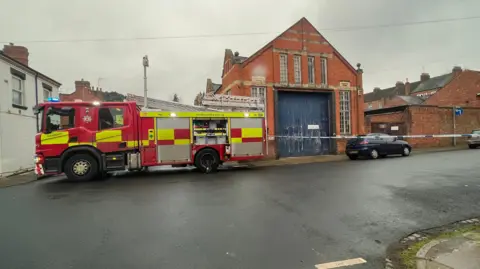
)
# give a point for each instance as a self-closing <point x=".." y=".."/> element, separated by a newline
<point x="59" y="119"/>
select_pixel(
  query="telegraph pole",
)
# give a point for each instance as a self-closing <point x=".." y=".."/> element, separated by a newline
<point x="145" y="65"/>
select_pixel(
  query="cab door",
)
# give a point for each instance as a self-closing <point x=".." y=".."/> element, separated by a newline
<point x="114" y="128"/>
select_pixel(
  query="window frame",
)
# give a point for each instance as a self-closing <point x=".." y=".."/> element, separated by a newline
<point x="283" y="68"/>
<point x="21" y="91"/>
<point x="297" y="69"/>
<point x="114" y="126"/>
<point x="255" y="90"/>
<point x="311" y="69"/>
<point x="345" y="112"/>
<point x="324" y="71"/>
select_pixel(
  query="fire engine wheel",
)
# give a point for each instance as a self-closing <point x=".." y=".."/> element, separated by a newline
<point x="81" y="167"/>
<point x="207" y="160"/>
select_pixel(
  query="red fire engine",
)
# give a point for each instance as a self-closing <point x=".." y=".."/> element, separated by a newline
<point x="87" y="140"/>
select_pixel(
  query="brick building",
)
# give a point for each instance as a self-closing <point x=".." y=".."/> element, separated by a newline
<point x="310" y="90"/>
<point x="429" y="109"/>
<point x="423" y="89"/>
<point x="83" y="91"/>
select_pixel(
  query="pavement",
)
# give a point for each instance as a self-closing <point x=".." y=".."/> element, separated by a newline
<point x="455" y="245"/>
<point x="316" y="215"/>
<point x="461" y="251"/>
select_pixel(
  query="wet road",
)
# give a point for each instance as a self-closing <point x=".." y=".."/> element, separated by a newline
<point x="288" y="217"/>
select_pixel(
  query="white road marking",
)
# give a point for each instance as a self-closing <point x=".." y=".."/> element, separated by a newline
<point x="338" y="264"/>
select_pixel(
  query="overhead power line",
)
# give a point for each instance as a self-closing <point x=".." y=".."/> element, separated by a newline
<point x="335" y="29"/>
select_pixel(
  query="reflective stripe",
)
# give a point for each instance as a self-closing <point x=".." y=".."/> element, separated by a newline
<point x="237" y="140"/>
<point x="82" y="143"/>
<point x="109" y="136"/>
<point x="132" y="144"/>
<point x="54" y="138"/>
<point x="165" y="134"/>
<point x="163" y="114"/>
<point x="181" y="141"/>
<point x="252" y="132"/>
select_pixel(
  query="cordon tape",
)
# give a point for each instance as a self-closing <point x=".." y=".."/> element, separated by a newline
<point x="377" y="136"/>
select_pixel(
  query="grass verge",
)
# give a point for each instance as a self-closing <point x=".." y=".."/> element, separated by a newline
<point x="408" y="256"/>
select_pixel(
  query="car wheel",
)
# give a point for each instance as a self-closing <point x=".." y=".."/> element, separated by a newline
<point x="374" y="154"/>
<point x="207" y="160"/>
<point x="472" y="146"/>
<point x="353" y="157"/>
<point x="406" y="151"/>
<point x="81" y="167"/>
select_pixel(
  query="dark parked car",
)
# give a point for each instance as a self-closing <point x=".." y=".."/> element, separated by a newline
<point x="474" y="142"/>
<point x="376" y="145"/>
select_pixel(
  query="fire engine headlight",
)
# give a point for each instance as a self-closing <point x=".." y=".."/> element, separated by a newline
<point x="37" y="159"/>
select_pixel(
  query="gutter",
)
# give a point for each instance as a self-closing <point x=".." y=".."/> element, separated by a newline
<point x="36" y="99"/>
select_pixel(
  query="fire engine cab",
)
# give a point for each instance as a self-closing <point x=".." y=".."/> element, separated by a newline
<point x="87" y="140"/>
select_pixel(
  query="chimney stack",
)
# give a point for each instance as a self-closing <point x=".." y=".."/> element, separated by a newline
<point x="407" y="88"/>
<point x="209" y="86"/>
<point x="457" y="70"/>
<point x="376" y="90"/>
<point x="18" y="53"/>
<point x="424" y="77"/>
<point x="81" y="85"/>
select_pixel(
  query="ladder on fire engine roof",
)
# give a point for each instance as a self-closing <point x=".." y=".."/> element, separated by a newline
<point x="231" y="102"/>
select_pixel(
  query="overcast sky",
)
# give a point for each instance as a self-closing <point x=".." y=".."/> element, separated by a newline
<point x="182" y="65"/>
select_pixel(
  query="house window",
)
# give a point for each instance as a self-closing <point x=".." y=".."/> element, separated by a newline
<point x="345" y="112"/>
<point x="297" y="68"/>
<point x="283" y="68"/>
<point x="323" y="75"/>
<point x="110" y="117"/>
<point x="258" y="92"/>
<point x="18" y="97"/>
<point x="311" y="70"/>
<point x="46" y="94"/>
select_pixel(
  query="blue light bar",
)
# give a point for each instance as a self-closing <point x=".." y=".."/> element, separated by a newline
<point x="53" y="99"/>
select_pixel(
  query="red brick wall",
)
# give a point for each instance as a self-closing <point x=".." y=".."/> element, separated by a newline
<point x="82" y="92"/>
<point x="428" y="120"/>
<point x="383" y="118"/>
<point x="461" y="91"/>
<point x="436" y="120"/>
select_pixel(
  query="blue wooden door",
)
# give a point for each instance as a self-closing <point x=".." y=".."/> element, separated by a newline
<point x="301" y="119"/>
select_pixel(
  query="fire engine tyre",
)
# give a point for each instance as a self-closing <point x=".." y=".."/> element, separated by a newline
<point x="207" y="160"/>
<point x="81" y="167"/>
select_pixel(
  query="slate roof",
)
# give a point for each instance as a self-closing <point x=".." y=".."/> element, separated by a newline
<point x="433" y="83"/>
<point x="216" y="87"/>
<point x="417" y="86"/>
<point x="412" y="100"/>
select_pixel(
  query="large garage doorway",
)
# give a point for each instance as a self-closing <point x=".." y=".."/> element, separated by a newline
<point x="301" y="118"/>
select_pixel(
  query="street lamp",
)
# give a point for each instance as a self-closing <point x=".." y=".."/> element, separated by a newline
<point x="145" y="65"/>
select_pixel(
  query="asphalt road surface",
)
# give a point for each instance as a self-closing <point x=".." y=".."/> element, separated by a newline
<point x="289" y="217"/>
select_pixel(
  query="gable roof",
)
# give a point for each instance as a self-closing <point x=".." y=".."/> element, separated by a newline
<point x="415" y="87"/>
<point x="434" y="83"/>
<point x="26" y="67"/>
<point x="301" y="21"/>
